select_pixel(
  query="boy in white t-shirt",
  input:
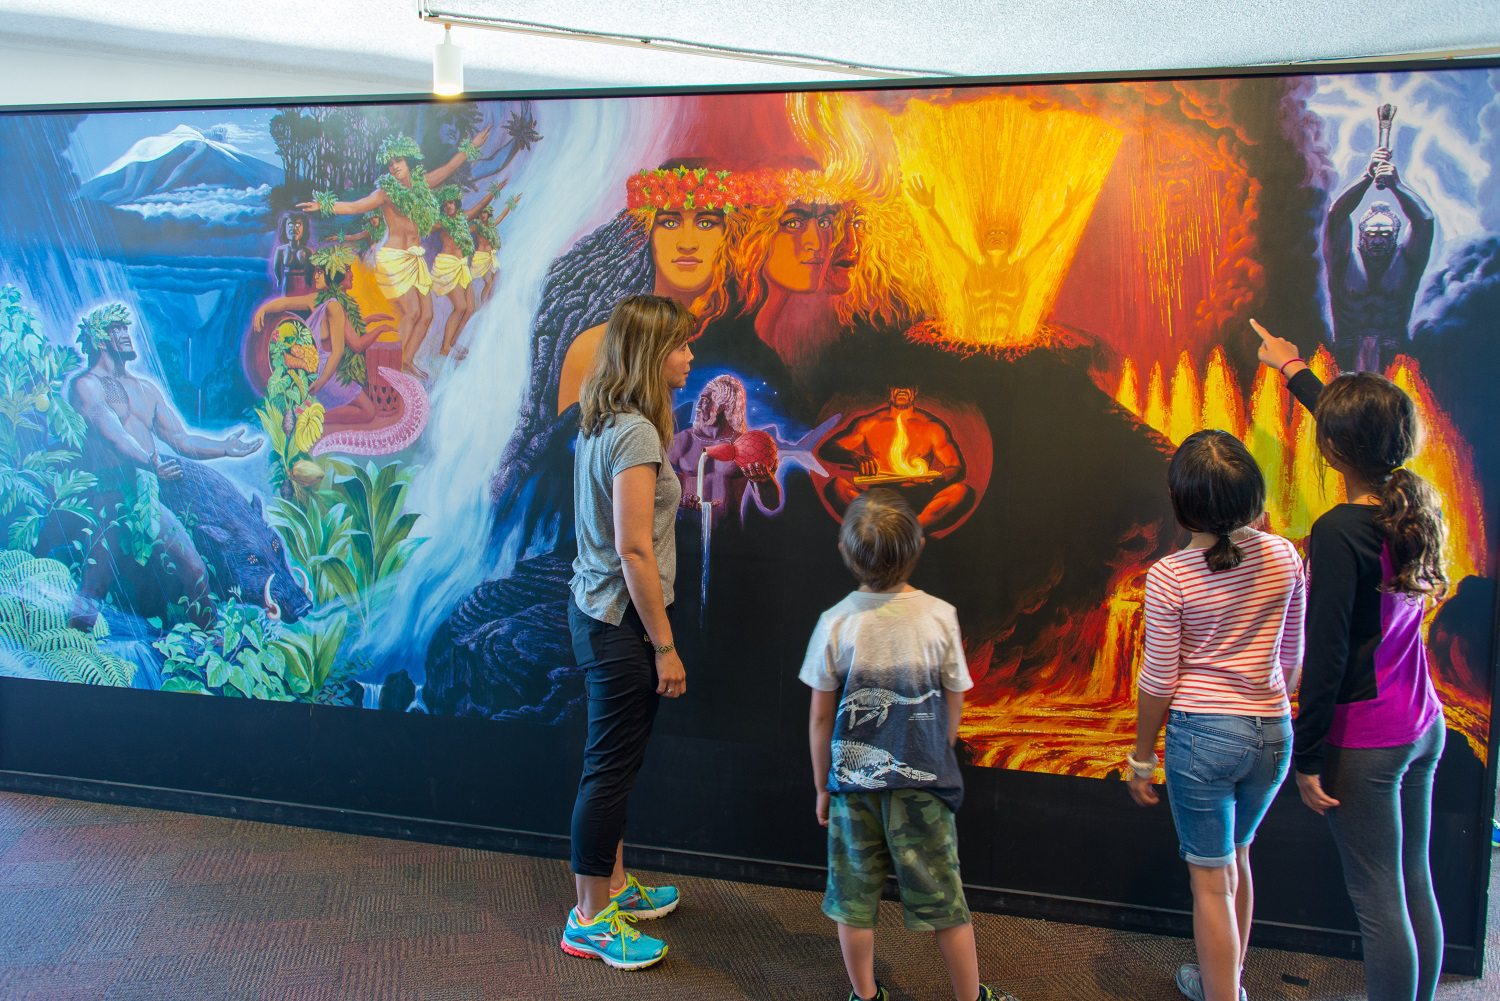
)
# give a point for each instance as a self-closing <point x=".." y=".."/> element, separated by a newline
<point x="887" y="670"/>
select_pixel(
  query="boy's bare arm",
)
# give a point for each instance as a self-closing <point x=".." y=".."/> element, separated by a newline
<point x="820" y="716"/>
<point x="955" y="713"/>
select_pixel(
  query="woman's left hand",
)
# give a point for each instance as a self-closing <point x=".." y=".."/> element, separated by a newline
<point x="671" y="676"/>
<point x="1142" y="791"/>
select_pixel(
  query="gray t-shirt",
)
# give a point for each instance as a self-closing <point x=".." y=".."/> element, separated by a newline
<point x="598" y="581"/>
<point x="891" y="657"/>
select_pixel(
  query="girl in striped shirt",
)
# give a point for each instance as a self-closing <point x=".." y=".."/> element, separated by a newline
<point x="1222" y="653"/>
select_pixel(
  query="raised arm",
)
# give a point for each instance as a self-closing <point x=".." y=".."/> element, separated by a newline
<point x="1422" y="228"/>
<point x="489" y="196"/>
<point x="1338" y="233"/>
<point x="438" y="175"/>
<point x="368" y="203"/>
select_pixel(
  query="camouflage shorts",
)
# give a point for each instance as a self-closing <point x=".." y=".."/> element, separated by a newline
<point x="908" y="831"/>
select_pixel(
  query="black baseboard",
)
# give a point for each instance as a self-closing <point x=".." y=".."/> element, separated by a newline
<point x="1461" y="960"/>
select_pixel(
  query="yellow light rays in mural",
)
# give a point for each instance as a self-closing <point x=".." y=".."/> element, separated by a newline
<point x="1175" y="206"/>
<point x="1001" y="191"/>
<point x="1222" y="406"/>
<point x="1185" y="405"/>
<point x="1128" y="394"/>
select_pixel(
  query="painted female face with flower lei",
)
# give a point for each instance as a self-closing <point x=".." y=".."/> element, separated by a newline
<point x="687" y="209"/>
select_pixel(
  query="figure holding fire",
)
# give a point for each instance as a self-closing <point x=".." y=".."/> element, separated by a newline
<point x="908" y="449"/>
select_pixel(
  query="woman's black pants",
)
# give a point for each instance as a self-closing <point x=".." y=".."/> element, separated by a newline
<point x="619" y="678"/>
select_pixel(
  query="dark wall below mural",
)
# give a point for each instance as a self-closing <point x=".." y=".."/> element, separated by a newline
<point x="1036" y="845"/>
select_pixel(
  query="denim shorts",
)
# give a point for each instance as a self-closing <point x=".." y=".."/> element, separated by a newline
<point x="1222" y="774"/>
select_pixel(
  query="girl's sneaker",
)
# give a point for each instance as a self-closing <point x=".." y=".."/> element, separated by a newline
<point x="609" y="937"/>
<point x="645" y="902"/>
<point x="987" y="993"/>
<point x="880" y="994"/>
<point x="1190" y="982"/>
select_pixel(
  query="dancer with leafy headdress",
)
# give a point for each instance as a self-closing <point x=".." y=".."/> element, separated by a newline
<point x="341" y="384"/>
<point x="486" y="230"/>
<point x="405" y="198"/>
<point x="452" y="270"/>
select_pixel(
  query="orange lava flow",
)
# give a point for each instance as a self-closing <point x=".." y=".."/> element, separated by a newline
<point x="1077" y="715"/>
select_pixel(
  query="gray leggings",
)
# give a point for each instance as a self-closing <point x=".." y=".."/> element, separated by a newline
<point x="1381" y="826"/>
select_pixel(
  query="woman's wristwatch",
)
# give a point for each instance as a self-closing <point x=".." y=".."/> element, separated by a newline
<point x="1142" y="769"/>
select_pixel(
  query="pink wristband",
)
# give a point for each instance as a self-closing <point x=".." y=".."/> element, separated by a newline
<point x="1282" y="370"/>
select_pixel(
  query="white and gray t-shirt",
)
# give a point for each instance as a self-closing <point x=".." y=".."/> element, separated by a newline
<point x="598" y="581"/>
<point x="891" y="656"/>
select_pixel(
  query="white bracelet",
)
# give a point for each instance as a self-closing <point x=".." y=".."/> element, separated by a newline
<point x="1142" y="769"/>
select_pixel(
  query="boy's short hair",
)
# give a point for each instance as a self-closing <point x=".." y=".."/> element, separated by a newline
<point x="881" y="539"/>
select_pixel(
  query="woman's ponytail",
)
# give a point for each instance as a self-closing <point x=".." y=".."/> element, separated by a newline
<point x="1412" y="518"/>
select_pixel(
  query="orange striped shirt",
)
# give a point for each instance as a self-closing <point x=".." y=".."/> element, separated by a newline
<point x="1221" y="642"/>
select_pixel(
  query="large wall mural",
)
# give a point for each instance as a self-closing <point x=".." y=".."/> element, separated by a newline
<point x="289" y="393"/>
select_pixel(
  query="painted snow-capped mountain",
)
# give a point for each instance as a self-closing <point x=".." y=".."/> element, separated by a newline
<point x="185" y="158"/>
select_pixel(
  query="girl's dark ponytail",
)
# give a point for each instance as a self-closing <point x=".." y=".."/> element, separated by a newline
<point x="1223" y="554"/>
<point x="1370" y="426"/>
<point x="1412" y="518"/>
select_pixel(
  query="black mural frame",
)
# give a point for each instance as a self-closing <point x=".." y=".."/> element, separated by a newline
<point x="57" y="739"/>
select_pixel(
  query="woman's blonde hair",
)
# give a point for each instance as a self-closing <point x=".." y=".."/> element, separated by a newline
<point x="626" y="374"/>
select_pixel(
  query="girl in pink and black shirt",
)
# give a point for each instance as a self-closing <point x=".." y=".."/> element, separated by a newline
<point x="1370" y="728"/>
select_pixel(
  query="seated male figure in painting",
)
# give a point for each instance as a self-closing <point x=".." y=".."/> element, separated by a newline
<point x="907" y="449"/>
<point x="125" y="418"/>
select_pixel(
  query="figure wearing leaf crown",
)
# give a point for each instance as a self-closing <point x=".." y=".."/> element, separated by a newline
<point x="127" y="420"/>
<point x="452" y="271"/>
<point x="486" y="230"/>
<point x="405" y="198"/>
<point x="335" y="361"/>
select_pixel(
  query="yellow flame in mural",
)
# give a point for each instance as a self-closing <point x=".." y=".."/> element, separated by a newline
<point x="898" y="460"/>
<point x="1001" y="191"/>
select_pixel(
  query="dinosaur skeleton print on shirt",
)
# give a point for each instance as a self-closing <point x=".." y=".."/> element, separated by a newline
<point x="891" y="657"/>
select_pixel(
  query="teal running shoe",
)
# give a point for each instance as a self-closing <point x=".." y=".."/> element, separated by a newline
<point x="645" y="902"/>
<point x="987" y="993"/>
<point x="611" y="938"/>
<point x="879" y="995"/>
<point x="1190" y="982"/>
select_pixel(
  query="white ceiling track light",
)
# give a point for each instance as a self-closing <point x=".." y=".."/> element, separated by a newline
<point x="447" y="66"/>
<point x="448" y="18"/>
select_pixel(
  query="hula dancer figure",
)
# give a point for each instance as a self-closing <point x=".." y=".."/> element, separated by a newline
<point x="404" y="197"/>
<point x="452" y="273"/>
<point x="486" y="230"/>
<point x="342" y="339"/>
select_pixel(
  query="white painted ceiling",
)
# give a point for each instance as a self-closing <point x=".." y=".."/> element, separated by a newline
<point x="286" y="47"/>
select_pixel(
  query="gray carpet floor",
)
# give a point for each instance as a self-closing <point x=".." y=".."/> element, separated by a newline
<point x="109" y="902"/>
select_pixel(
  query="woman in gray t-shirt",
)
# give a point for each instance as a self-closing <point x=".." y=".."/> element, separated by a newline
<point x="625" y="496"/>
